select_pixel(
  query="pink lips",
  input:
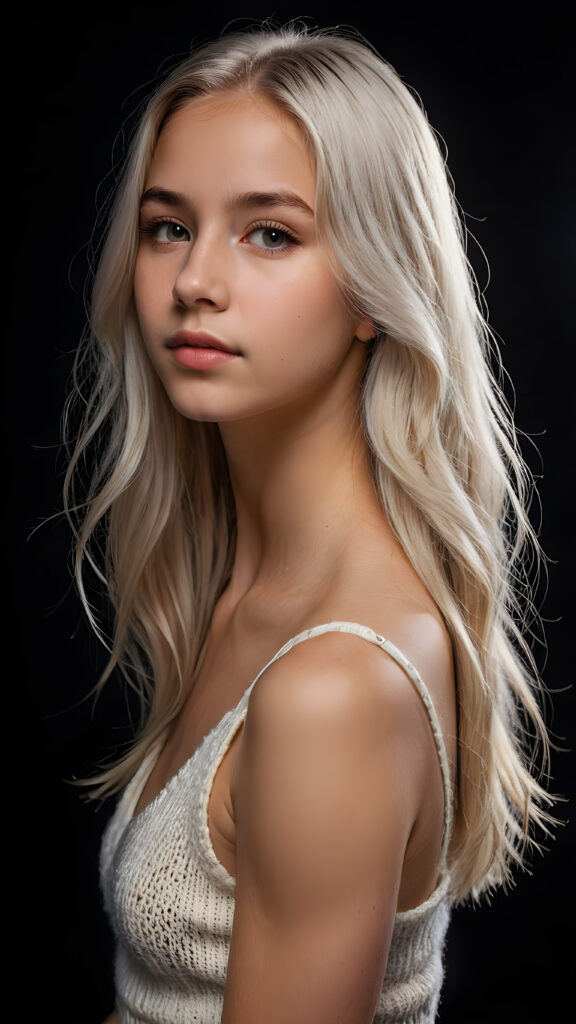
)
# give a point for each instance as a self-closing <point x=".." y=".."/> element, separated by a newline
<point x="197" y="350"/>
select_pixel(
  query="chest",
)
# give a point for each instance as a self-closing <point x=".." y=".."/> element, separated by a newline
<point x="170" y="900"/>
<point x="228" y="669"/>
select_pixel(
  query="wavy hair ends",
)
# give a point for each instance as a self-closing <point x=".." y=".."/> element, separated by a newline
<point x="446" y="460"/>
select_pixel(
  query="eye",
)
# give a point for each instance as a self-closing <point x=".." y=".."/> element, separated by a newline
<point x="163" y="230"/>
<point x="271" y="237"/>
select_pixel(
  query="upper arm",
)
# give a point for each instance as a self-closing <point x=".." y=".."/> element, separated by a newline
<point x="324" y="801"/>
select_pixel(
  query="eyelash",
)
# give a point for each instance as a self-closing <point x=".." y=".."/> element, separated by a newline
<point x="291" y="238"/>
<point x="152" y="226"/>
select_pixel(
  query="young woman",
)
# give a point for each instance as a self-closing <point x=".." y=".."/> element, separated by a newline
<point x="313" y="502"/>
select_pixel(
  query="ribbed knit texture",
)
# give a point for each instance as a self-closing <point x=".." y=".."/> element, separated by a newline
<point x="171" y="902"/>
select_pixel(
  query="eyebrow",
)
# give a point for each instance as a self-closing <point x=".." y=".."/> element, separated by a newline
<point x="239" y="201"/>
<point x="282" y="198"/>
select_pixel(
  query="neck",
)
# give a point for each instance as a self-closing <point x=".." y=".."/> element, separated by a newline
<point x="303" y="489"/>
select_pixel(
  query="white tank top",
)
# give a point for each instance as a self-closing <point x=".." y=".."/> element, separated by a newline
<point x="171" y="902"/>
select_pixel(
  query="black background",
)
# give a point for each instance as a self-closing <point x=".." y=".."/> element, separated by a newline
<point x="501" y="95"/>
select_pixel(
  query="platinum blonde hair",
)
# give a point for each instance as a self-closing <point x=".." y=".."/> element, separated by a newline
<point x="446" y="461"/>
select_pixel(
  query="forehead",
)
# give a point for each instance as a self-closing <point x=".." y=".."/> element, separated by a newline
<point x="240" y="138"/>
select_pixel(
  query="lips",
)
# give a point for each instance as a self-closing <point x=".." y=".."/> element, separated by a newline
<point x="200" y="351"/>
<point x="198" y="339"/>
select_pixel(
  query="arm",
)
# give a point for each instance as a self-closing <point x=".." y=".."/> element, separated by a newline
<point x="324" y="798"/>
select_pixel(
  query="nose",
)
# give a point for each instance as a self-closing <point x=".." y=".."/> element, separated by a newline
<point x="202" y="279"/>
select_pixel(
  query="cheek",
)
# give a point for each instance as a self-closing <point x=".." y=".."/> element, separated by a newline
<point x="150" y="289"/>
<point x="305" y="335"/>
<point x="141" y="292"/>
<point x="323" y="321"/>
<point x="146" y="293"/>
<point x="309" y="303"/>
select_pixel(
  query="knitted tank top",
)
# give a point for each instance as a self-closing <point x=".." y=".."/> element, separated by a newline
<point x="171" y="902"/>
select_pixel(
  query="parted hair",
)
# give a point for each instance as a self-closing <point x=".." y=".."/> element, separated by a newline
<point x="445" y="456"/>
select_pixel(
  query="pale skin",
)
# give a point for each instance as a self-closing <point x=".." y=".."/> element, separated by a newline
<point x="328" y="807"/>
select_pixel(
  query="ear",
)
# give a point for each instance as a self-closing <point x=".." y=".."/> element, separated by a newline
<point x="365" y="331"/>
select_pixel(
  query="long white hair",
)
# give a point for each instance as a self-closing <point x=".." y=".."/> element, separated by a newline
<point x="446" y="461"/>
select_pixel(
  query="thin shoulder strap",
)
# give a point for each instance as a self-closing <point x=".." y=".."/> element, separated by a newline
<point x="386" y="645"/>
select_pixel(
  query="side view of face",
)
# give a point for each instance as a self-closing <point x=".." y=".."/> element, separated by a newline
<point x="238" y="307"/>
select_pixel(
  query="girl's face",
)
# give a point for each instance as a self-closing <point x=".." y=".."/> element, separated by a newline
<point x="239" y="310"/>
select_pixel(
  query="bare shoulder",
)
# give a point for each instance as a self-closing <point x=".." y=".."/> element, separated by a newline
<point x="338" y="679"/>
<point x="322" y="765"/>
<point x="323" y="814"/>
<point x="335" y="764"/>
<point x="338" y="699"/>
